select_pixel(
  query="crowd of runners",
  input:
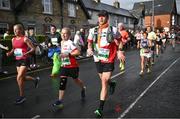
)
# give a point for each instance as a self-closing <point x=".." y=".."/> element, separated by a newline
<point x="105" y="44"/>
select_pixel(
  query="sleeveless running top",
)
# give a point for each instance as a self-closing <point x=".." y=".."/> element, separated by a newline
<point x="20" y="48"/>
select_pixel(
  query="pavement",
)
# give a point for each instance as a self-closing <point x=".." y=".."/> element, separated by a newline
<point x="41" y="63"/>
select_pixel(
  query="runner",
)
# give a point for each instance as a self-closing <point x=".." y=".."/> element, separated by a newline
<point x="53" y="43"/>
<point x="158" y="43"/>
<point x="102" y="42"/>
<point x="138" y="36"/>
<point x="20" y="44"/>
<point x="145" y="54"/>
<point x="2" y="47"/>
<point x="172" y="38"/>
<point x="124" y="39"/>
<point x="69" y="66"/>
<point x="152" y="38"/>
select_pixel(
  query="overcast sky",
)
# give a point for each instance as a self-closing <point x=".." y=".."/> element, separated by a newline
<point x="128" y="4"/>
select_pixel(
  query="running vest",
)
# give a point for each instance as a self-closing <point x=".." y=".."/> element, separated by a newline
<point x="110" y="37"/>
<point x="144" y="43"/>
<point x="20" y="48"/>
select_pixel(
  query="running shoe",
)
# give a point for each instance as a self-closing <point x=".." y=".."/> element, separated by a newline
<point x="36" y="82"/>
<point x="141" y="73"/>
<point x="98" y="113"/>
<point x="122" y="67"/>
<point x="83" y="93"/>
<point x="20" y="100"/>
<point x="112" y="86"/>
<point x="148" y="70"/>
<point x="58" y="104"/>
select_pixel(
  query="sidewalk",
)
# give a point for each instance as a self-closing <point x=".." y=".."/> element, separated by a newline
<point x="12" y="68"/>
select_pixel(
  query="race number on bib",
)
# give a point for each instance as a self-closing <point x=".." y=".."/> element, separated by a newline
<point x="103" y="54"/>
<point x="54" y="41"/>
<point x="65" y="61"/>
<point x="18" y="52"/>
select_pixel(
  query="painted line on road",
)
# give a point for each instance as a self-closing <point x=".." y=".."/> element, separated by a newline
<point x="142" y="94"/>
<point x="35" y="117"/>
<point x="14" y="76"/>
<point x="116" y="75"/>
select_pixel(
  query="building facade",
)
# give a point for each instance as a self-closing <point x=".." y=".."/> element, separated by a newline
<point x="160" y="13"/>
<point x="116" y="14"/>
<point x="40" y="14"/>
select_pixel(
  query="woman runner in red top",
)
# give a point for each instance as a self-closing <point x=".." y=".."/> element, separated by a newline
<point x="20" y="45"/>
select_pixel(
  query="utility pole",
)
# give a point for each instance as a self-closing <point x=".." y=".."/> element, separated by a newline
<point x="62" y="13"/>
<point x="152" y="23"/>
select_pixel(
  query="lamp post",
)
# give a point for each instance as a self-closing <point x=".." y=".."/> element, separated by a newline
<point x="152" y="23"/>
<point x="62" y="13"/>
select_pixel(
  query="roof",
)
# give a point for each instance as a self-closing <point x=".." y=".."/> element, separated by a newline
<point x="160" y="7"/>
<point x="92" y="5"/>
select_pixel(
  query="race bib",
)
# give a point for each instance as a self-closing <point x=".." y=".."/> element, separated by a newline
<point x="103" y="54"/>
<point x="65" y="61"/>
<point x="54" y="41"/>
<point x="18" y="52"/>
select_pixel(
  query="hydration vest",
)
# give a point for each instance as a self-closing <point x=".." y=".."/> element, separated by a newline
<point x="110" y="37"/>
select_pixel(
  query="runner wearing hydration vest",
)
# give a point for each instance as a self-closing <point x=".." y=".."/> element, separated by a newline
<point x="102" y="44"/>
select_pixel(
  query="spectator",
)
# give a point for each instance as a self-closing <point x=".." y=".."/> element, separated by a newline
<point x="35" y="43"/>
<point x="2" y="48"/>
<point x="6" y="34"/>
<point x="78" y="41"/>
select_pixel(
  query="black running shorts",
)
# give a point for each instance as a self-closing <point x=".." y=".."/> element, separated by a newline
<point x="104" y="67"/>
<point x="70" y="72"/>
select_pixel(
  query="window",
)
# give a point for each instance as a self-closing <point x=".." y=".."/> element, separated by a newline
<point x="4" y="4"/>
<point x="3" y="28"/>
<point x="125" y="20"/>
<point x="131" y="21"/>
<point x="71" y="10"/>
<point x="47" y="6"/>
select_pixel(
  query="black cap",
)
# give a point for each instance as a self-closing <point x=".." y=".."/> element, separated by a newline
<point x="103" y="13"/>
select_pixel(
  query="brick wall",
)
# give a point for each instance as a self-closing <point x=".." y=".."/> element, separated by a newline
<point x="159" y="21"/>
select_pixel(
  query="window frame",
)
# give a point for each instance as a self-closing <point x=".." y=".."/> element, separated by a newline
<point x="70" y="7"/>
<point x="5" y="8"/>
<point x="45" y="4"/>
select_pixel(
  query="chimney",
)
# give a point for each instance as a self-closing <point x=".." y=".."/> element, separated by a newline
<point x="116" y="4"/>
<point x="97" y="1"/>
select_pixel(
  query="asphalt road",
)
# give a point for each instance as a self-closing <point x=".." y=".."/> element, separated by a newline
<point x="154" y="95"/>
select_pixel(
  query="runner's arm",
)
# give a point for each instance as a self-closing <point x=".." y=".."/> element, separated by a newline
<point x="30" y="45"/>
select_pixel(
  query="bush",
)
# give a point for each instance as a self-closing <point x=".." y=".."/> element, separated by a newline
<point x="40" y="38"/>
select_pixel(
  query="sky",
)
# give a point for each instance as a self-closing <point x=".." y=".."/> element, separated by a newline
<point x="128" y="4"/>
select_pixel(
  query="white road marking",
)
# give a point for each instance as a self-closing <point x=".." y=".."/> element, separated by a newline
<point x="14" y="76"/>
<point x="116" y="75"/>
<point x="142" y="94"/>
<point x="35" y="117"/>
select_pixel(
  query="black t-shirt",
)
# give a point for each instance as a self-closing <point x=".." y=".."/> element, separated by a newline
<point x="54" y="39"/>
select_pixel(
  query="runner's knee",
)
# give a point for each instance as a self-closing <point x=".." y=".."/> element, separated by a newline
<point x="63" y="82"/>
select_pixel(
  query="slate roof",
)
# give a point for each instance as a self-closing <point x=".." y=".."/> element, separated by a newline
<point x="92" y="5"/>
<point x="161" y="7"/>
